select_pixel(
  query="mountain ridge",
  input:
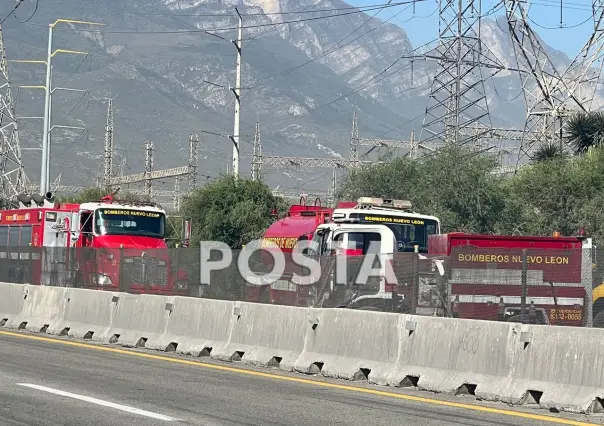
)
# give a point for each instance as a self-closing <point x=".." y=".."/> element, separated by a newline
<point x="302" y="81"/>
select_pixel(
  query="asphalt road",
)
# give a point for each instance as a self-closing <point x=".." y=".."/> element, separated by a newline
<point x="46" y="382"/>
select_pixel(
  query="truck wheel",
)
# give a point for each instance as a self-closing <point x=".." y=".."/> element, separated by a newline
<point x="78" y="282"/>
<point x="599" y="320"/>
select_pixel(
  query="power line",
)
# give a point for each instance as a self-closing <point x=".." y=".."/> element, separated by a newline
<point x="31" y="16"/>
<point x="376" y="78"/>
<point x="360" y="10"/>
<point x="370" y="82"/>
<point x="330" y="50"/>
<point x="12" y="11"/>
<point x="274" y="28"/>
<point x="222" y="15"/>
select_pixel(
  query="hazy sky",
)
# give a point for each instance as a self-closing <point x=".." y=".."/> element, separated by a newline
<point x="422" y="26"/>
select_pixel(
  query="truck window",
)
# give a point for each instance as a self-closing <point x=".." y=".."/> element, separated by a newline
<point x="406" y="234"/>
<point x="367" y="242"/>
<point x="13" y="236"/>
<point x="3" y="236"/>
<point x="86" y="222"/>
<point x="26" y="232"/>
<point x="129" y="222"/>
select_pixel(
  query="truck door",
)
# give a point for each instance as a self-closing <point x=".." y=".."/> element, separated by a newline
<point x="354" y="245"/>
<point x="56" y="269"/>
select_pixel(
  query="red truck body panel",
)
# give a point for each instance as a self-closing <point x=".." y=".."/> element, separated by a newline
<point x="486" y="273"/>
<point x="29" y="236"/>
<point x="285" y="233"/>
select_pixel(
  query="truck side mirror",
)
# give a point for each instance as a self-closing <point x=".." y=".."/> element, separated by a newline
<point x="74" y="223"/>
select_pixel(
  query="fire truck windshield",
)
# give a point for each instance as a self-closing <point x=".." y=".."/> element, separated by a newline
<point x="129" y="222"/>
<point x="409" y="231"/>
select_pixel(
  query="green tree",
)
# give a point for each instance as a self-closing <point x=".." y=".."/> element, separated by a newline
<point x="547" y="151"/>
<point x="234" y="211"/>
<point x="585" y="130"/>
<point x="562" y="194"/>
<point x="95" y="194"/>
<point x="457" y="185"/>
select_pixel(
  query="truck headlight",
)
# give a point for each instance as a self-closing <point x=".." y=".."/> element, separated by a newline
<point x="100" y="279"/>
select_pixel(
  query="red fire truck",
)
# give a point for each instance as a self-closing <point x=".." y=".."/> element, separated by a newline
<point x="105" y="245"/>
<point x="299" y="223"/>
<point x="349" y="229"/>
<point x="486" y="278"/>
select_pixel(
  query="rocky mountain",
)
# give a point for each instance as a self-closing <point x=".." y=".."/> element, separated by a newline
<point x="168" y="78"/>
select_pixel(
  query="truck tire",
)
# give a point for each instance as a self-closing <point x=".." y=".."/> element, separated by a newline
<point x="78" y="281"/>
<point x="599" y="320"/>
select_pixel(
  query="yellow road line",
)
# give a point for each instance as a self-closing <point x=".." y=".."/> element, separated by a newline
<point x="300" y="380"/>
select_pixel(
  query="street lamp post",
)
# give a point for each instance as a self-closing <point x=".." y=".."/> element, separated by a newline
<point x="45" y="166"/>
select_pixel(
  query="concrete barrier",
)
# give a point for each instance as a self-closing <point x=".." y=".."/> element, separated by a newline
<point x="43" y="307"/>
<point x="547" y="366"/>
<point x="558" y="368"/>
<point x="12" y="297"/>
<point x="139" y="320"/>
<point x="88" y="314"/>
<point x="266" y="335"/>
<point x="199" y="327"/>
<point x="455" y="355"/>
<point x="349" y="344"/>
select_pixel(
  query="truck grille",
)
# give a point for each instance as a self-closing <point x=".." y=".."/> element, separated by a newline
<point x="132" y="271"/>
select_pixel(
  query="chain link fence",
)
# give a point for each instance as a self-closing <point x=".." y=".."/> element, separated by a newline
<point x="539" y="286"/>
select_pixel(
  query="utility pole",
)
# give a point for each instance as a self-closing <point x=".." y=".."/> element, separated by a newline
<point x="237" y="91"/>
<point x="148" y="167"/>
<point x="257" y="155"/>
<point x="108" y="149"/>
<point x="551" y="95"/>
<point x="414" y="150"/>
<point x="44" y="175"/>
<point x="45" y="166"/>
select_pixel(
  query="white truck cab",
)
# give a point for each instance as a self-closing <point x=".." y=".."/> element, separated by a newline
<point x="354" y="239"/>
<point x="350" y="243"/>
<point x="411" y="229"/>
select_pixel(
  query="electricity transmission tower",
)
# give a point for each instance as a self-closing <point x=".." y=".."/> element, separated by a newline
<point x="108" y="148"/>
<point x="149" y="147"/>
<point x="457" y="97"/>
<point x="257" y="155"/>
<point x="551" y="96"/>
<point x="193" y="161"/>
<point x="12" y="174"/>
<point x="356" y="141"/>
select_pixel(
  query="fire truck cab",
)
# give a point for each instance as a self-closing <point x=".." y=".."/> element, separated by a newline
<point x="351" y="231"/>
<point x="411" y="229"/>
<point x="105" y="244"/>
<point x="373" y="226"/>
<point x="298" y="224"/>
<point x="350" y="244"/>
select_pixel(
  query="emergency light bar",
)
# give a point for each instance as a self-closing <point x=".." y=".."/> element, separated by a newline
<point x="380" y="202"/>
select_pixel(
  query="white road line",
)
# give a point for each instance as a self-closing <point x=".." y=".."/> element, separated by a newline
<point x="100" y="402"/>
